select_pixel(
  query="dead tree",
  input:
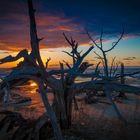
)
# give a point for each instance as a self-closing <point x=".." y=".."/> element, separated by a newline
<point x="78" y="67"/>
<point x="104" y="52"/>
<point x="103" y="57"/>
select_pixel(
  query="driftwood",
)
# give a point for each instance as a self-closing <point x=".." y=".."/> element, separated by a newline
<point x="64" y="88"/>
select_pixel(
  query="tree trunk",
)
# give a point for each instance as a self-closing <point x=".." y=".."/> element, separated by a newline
<point x="60" y="110"/>
<point x="122" y="94"/>
<point x="51" y="114"/>
<point x="106" y="64"/>
<point x="33" y="34"/>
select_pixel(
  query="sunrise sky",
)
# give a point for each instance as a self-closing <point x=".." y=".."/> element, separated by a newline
<point x="72" y="17"/>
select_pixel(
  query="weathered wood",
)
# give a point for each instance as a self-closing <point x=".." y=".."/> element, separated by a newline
<point x="22" y="53"/>
<point x="99" y="84"/>
<point x="122" y="73"/>
<point x="33" y="34"/>
<point x="51" y="114"/>
<point x="47" y="62"/>
<point x="122" y="80"/>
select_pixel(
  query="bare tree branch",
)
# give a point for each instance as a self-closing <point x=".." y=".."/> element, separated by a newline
<point x="94" y="42"/>
<point x="127" y="74"/>
<point x="101" y="40"/>
<point x="47" y="62"/>
<point x="112" y="65"/>
<point x="69" y="54"/>
<point x="101" y="58"/>
<point x="115" y="69"/>
<point x="68" y="39"/>
<point x="115" y="43"/>
<point x="67" y="64"/>
<point x="79" y="61"/>
<point x="23" y="53"/>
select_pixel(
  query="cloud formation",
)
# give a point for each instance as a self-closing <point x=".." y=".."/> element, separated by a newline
<point x="130" y="58"/>
<point x="55" y="17"/>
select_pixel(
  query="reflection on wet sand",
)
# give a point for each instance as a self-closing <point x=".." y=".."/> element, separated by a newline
<point x="28" y="108"/>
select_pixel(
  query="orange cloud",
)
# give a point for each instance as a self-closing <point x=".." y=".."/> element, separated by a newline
<point x="49" y="20"/>
<point x="15" y="36"/>
<point x="61" y="28"/>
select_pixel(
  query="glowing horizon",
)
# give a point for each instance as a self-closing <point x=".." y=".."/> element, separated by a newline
<point x="124" y="53"/>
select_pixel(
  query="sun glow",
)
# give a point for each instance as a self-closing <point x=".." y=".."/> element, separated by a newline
<point x="33" y="84"/>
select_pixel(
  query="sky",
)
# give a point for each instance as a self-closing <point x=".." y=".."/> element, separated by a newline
<point x="72" y="17"/>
